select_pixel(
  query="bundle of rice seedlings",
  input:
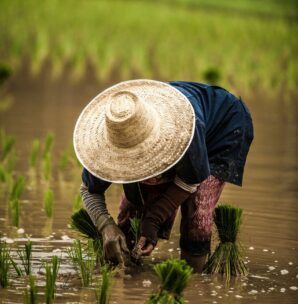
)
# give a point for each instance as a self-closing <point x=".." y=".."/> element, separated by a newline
<point x="17" y="188"/>
<point x="47" y="166"/>
<point x="102" y="293"/>
<point x="48" y="144"/>
<point x="51" y="277"/>
<point x="30" y="294"/>
<point x="26" y="256"/>
<point x="82" y="222"/>
<point x="174" y="275"/>
<point x="227" y="258"/>
<point x="6" y="145"/>
<point x="77" y="203"/>
<point x="83" y="260"/>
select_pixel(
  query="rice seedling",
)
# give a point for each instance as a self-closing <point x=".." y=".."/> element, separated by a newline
<point x="3" y="174"/>
<point x="81" y="222"/>
<point x="83" y="260"/>
<point x="17" y="188"/>
<point x="102" y="293"/>
<point x="63" y="161"/>
<point x="77" y="203"/>
<point x="48" y="145"/>
<point x="26" y="256"/>
<point x="7" y="144"/>
<point x="51" y="269"/>
<point x="135" y="226"/>
<point x="174" y="275"/>
<point x="5" y="73"/>
<point x="15" y="211"/>
<point x="5" y="263"/>
<point x="34" y="152"/>
<point x="30" y="293"/>
<point x="227" y="257"/>
<point x="47" y="166"/>
<point x="48" y="202"/>
<point x="16" y="267"/>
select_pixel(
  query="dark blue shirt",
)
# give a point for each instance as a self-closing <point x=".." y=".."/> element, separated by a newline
<point x="223" y="134"/>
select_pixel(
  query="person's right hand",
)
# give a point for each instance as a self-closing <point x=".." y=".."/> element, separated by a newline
<point x="114" y="244"/>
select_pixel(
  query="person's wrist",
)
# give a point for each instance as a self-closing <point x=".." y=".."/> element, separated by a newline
<point x="104" y="221"/>
<point x="149" y="230"/>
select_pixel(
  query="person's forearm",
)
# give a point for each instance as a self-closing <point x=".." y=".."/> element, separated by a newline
<point x="96" y="207"/>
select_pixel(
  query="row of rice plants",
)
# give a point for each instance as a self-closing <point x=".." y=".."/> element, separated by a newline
<point x="169" y="42"/>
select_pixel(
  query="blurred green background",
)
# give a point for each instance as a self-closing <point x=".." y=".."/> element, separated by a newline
<point x="247" y="46"/>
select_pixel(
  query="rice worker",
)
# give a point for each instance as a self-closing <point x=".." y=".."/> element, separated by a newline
<point x="170" y="144"/>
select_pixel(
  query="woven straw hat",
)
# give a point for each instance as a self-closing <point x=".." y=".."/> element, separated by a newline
<point x="134" y="130"/>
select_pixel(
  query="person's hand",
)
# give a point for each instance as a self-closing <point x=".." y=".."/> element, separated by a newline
<point x="114" y="245"/>
<point x="142" y="248"/>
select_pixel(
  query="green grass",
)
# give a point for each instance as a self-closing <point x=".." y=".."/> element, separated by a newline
<point x="30" y="293"/>
<point x="251" y="44"/>
<point x="26" y="257"/>
<point x="227" y="257"/>
<point x="174" y="275"/>
<point x="83" y="260"/>
<point x="48" y="202"/>
<point x="51" y="269"/>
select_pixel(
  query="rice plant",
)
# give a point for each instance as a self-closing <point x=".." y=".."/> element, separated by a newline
<point x="15" y="211"/>
<point x="3" y="174"/>
<point x="26" y="257"/>
<point x="48" y="202"/>
<point x="5" y="263"/>
<point x="64" y="160"/>
<point x="83" y="260"/>
<point x="51" y="269"/>
<point x="17" y="188"/>
<point x="103" y="290"/>
<point x="30" y="293"/>
<point x="47" y="166"/>
<point x="7" y="144"/>
<point x="34" y="152"/>
<point x="227" y="257"/>
<point x="48" y="144"/>
<point x="135" y="226"/>
<point x="174" y="275"/>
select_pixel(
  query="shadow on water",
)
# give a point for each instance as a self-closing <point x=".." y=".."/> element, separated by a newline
<point x="268" y="197"/>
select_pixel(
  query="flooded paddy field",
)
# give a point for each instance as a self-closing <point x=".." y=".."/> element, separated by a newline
<point x="268" y="198"/>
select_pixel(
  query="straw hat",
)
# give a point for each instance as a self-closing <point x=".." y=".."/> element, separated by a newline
<point x="134" y="130"/>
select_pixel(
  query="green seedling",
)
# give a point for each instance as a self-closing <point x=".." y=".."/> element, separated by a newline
<point x="5" y="263"/>
<point x="17" y="188"/>
<point x="83" y="260"/>
<point x="174" y="275"/>
<point x="7" y="144"/>
<point x="26" y="257"/>
<point x="15" y="211"/>
<point x="30" y="293"/>
<point x="48" y="145"/>
<point x="63" y="161"/>
<point x="34" y="152"/>
<point x="47" y="166"/>
<point x="48" y="202"/>
<point x="103" y="290"/>
<point x="135" y="226"/>
<point x="51" y="269"/>
<point x="227" y="257"/>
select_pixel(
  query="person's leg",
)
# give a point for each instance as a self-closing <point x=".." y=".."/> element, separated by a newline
<point x="196" y="222"/>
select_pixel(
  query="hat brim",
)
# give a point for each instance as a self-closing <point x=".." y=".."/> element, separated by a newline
<point x="156" y="154"/>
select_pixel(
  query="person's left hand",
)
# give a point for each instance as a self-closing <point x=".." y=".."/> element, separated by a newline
<point x="142" y="248"/>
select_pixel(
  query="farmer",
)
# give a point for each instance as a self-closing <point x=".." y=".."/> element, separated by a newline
<point x="169" y="144"/>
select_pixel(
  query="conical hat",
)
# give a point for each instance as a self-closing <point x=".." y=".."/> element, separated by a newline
<point x="134" y="130"/>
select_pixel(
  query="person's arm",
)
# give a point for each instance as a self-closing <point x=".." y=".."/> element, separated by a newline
<point x="158" y="212"/>
<point x="114" y="243"/>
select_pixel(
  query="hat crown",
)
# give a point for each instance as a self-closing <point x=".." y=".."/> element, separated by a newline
<point x="129" y="120"/>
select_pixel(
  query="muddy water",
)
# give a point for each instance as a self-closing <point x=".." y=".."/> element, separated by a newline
<point x="268" y="197"/>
